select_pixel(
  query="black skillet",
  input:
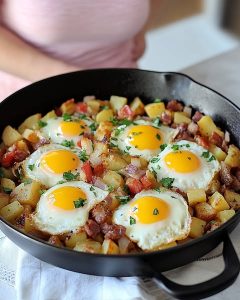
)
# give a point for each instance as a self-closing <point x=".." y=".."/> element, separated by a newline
<point x="42" y="96"/>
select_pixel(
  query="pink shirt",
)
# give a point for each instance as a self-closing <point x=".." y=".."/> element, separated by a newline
<point x="78" y="32"/>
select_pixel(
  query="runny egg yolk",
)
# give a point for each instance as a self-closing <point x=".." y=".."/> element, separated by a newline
<point x="145" y="137"/>
<point x="149" y="209"/>
<point x="59" y="161"/>
<point x="67" y="197"/>
<point x="182" y="161"/>
<point x="72" y="128"/>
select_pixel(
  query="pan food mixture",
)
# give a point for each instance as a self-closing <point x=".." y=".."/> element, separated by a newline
<point x="110" y="177"/>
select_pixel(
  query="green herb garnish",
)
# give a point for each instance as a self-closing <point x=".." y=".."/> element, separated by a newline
<point x="83" y="156"/>
<point x="104" y="107"/>
<point x="167" y="182"/>
<point x="67" y="117"/>
<point x="163" y="146"/>
<point x="69" y="144"/>
<point x="157" y="121"/>
<point x="155" y="212"/>
<point x="110" y="188"/>
<point x="154" y="160"/>
<point x="69" y="176"/>
<point x="158" y="136"/>
<point x="79" y="203"/>
<point x="1" y="173"/>
<point x="157" y="100"/>
<point x="31" y="167"/>
<point x="7" y="190"/>
<point x="41" y="192"/>
<point x="123" y="199"/>
<point x="42" y="124"/>
<point x="27" y="181"/>
<point x="205" y="154"/>
<point x="175" y="147"/>
<point x="93" y="126"/>
<point x="212" y="158"/>
<point x="132" y="221"/>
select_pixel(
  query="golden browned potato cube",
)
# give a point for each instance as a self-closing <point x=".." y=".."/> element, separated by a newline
<point x="11" y="211"/>
<point x="169" y="245"/>
<point x="7" y="185"/>
<point x="224" y="215"/>
<point x="115" y="162"/>
<point x="29" y="225"/>
<point x="4" y="200"/>
<point x="104" y="115"/>
<point x="137" y="106"/>
<point x="50" y="115"/>
<point x="54" y="240"/>
<point x="197" y="227"/>
<point x="109" y="247"/>
<point x="195" y="196"/>
<point x="233" y="157"/>
<point x="179" y="117"/>
<point x="94" y="106"/>
<point x="144" y="162"/>
<point x="213" y="187"/>
<point x="30" y="135"/>
<point x="207" y="127"/>
<point x="232" y="198"/>
<point x="88" y="246"/>
<point x="104" y="129"/>
<point x="154" y="110"/>
<point x="117" y="102"/>
<point x="205" y="211"/>
<point x="68" y="107"/>
<point x="74" y="238"/>
<point x="217" y="152"/>
<point x="31" y="123"/>
<point x="218" y="202"/>
<point x="112" y="178"/>
<point x="10" y="136"/>
<point x="27" y="193"/>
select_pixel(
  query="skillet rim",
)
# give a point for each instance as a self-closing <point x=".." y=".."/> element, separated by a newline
<point x="171" y="250"/>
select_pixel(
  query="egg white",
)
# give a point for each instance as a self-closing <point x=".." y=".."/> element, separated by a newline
<point x="54" y="220"/>
<point x="151" y="236"/>
<point x="52" y="130"/>
<point x="120" y="139"/>
<point x="198" y="179"/>
<point x="46" y="177"/>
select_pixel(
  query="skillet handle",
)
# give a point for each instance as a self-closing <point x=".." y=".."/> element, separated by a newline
<point x="209" y="287"/>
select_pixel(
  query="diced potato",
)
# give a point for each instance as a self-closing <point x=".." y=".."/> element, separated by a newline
<point x="195" y="196"/>
<point x="11" y="211"/>
<point x="104" y="129"/>
<point x="22" y="145"/>
<point x="151" y="177"/>
<point x="10" y="136"/>
<point x="109" y="247"/>
<point x="213" y="187"/>
<point x="218" y="202"/>
<point x="99" y="150"/>
<point x="94" y="106"/>
<point x="217" y="152"/>
<point x="207" y="127"/>
<point x="169" y="245"/>
<point x="179" y="117"/>
<point x="27" y="193"/>
<point x="123" y="244"/>
<point x="75" y="238"/>
<point x="104" y="115"/>
<point x="31" y="123"/>
<point x="205" y="211"/>
<point x="232" y="198"/>
<point x="187" y="110"/>
<point x="29" y="225"/>
<point x="7" y="173"/>
<point x="144" y="162"/>
<point x="7" y="185"/>
<point x="115" y="162"/>
<point x="54" y="240"/>
<point x="88" y="246"/>
<point x="50" y="115"/>
<point x="68" y="107"/>
<point x="233" y="157"/>
<point x="117" y="102"/>
<point x="197" y="227"/>
<point x="87" y="145"/>
<point x="30" y="135"/>
<point x="137" y="106"/>
<point x="154" y="110"/>
<point x="114" y="203"/>
<point x="4" y="200"/>
<point x="225" y="215"/>
<point x="112" y="178"/>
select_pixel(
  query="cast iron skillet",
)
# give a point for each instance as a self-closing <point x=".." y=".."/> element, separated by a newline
<point x="42" y="96"/>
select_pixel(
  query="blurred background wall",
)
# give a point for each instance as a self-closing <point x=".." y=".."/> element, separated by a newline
<point x="185" y="32"/>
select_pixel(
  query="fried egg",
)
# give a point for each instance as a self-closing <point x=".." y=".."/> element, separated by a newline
<point x="154" y="218"/>
<point x="142" y="138"/>
<point x="186" y="165"/>
<point x="65" y="207"/>
<point x="66" y="131"/>
<point x="49" y="164"/>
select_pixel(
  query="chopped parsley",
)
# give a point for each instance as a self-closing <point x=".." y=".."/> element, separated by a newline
<point x="175" y="147"/>
<point x="42" y="124"/>
<point x="117" y="122"/>
<point x="157" y="100"/>
<point x="123" y="199"/>
<point x="61" y="182"/>
<point x="205" y="154"/>
<point x="163" y="146"/>
<point x="83" y="155"/>
<point x="7" y="190"/>
<point x="93" y="126"/>
<point x="158" y="190"/>
<point x="27" y="181"/>
<point x="154" y="160"/>
<point x="92" y="189"/>
<point x="117" y="131"/>
<point x="157" y="121"/>
<point x="154" y="173"/>
<point x="110" y="188"/>
<point x="167" y="182"/>
<point x="158" y="136"/>
<point x="69" y="144"/>
<point x="155" y="212"/>
<point x="41" y="192"/>
<point x="82" y="117"/>
<point x="79" y="203"/>
<point x="67" y="117"/>
<point x="69" y="176"/>
<point x="132" y="221"/>
<point x="128" y="148"/>
<point x="104" y="107"/>
<point x="31" y="167"/>
<point x="212" y="158"/>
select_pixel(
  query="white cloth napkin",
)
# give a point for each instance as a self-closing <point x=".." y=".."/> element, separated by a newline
<point x="38" y="280"/>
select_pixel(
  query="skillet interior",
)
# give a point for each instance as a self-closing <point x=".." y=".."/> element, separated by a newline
<point x="44" y="95"/>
